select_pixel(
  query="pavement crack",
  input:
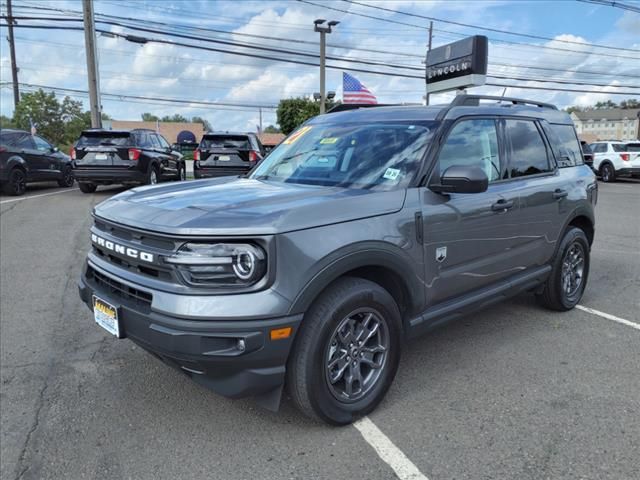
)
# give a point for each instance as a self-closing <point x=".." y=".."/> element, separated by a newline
<point x="21" y="469"/>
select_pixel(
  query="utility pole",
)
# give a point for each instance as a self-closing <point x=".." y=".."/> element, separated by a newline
<point x="12" y="50"/>
<point x="260" y="110"/>
<point x="426" y="97"/>
<point x="92" y="63"/>
<point x="318" y="27"/>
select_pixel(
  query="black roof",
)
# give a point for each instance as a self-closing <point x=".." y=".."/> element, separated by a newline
<point x="227" y="133"/>
<point x="13" y="130"/>
<point x="116" y="132"/>
<point x="462" y="105"/>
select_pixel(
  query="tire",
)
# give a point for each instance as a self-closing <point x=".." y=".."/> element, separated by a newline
<point x="67" y="177"/>
<point x="17" y="182"/>
<point x="182" y="173"/>
<point x="324" y="332"/>
<point x="87" y="187"/>
<point x="607" y="173"/>
<point x="557" y="293"/>
<point x="153" y="175"/>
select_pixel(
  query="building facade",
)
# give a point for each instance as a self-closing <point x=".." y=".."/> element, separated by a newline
<point x="608" y="124"/>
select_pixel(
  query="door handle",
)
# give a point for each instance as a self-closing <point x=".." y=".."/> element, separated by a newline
<point x="502" y="205"/>
<point x="559" y="193"/>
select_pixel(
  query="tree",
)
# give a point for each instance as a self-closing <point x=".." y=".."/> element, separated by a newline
<point x="148" y="117"/>
<point x="174" y="118"/>
<point x="631" y="103"/>
<point x="6" y="122"/>
<point x="605" y="105"/>
<point x="44" y="110"/>
<point x="574" y="108"/>
<point x="205" y="123"/>
<point x="271" y="129"/>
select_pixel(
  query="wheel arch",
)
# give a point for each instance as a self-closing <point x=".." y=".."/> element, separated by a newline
<point x="387" y="266"/>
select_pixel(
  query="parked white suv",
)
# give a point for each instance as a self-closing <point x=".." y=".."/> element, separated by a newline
<point x="616" y="159"/>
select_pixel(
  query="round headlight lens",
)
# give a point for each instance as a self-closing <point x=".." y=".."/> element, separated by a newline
<point x="244" y="265"/>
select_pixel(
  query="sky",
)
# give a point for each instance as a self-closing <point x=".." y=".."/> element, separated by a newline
<point x="56" y="58"/>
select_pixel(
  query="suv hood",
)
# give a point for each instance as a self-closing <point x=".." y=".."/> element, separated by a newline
<point x="239" y="206"/>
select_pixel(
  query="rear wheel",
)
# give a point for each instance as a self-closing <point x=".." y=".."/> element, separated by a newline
<point x="67" y="177"/>
<point x="346" y="353"/>
<point x="17" y="182"/>
<point x="152" y="175"/>
<point x="87" y="187"/>
<point x="182" y="173"/>
<point x="568" y="279"/>
<point x="607" y="173"/>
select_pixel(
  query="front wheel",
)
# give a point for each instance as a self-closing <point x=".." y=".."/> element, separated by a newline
<point x="182" y="173"/>
<point x="607" y="173"/>
<point x="152" y="175"/>
<point x="568" y="278"/>
<point x="67" y="177"/>
<point x="346" y="352"/>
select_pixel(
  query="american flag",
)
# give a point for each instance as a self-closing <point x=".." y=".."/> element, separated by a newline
<point x="355" y="92"/>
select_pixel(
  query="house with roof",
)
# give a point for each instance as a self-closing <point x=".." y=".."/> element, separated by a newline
<point x="607" y="124"/>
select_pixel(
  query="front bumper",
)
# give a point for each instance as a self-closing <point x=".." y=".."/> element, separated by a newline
<point x="206" y="350"/>
<point x="109" y="175"/>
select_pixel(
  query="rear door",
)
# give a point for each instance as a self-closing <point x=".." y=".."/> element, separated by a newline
<point x="103" y="149"/>
<point x="26" y="147"/>
<point x="169" y="162"/>
<point x="469" y="239"/>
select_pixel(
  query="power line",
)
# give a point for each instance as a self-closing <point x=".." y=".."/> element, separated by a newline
<point x="613" y="3"/>
<point x="493" y="39"/>
<point x="491" y="29"/>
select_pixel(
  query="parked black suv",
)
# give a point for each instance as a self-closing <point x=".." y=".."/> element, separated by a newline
<point x="361" y="229"/>
<point x="138" y="157"/>
<point x="223" y="153"/>
<point x="26" y="158"/>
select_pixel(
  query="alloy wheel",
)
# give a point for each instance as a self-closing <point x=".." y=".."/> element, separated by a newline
<point x="573" y="265"/>
<point x="356" y="355"/>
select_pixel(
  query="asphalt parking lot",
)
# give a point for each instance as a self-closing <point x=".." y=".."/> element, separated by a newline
<point x="513" y="392"/>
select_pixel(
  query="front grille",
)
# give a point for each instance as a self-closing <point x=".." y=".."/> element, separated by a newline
<point x="120" y="290"/>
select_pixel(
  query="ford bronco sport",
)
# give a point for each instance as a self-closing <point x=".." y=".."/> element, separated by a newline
<point x="362" y="229"/>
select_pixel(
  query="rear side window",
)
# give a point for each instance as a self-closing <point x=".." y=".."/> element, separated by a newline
<point x="473" y="143"/>
<point x="633" y="147"/>
<point x="619" y="147"/>
<point x="568" y="151"/>
<point x="238" y="142"/>
<point x="26" y="142"/>
<point x="9" y="139"/>
<point x="528" y="153"/>
<point x="163" y="142"/>
<point x="94" y="140"/>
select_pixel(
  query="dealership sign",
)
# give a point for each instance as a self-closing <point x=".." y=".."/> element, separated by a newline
<point x="457" y="65"/>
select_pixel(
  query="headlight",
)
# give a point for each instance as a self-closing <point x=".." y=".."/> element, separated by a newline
<point x="220" y="264"/>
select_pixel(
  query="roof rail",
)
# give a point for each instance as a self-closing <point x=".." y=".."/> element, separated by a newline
<point x="474" y="101"/>
<point x="343" y="107"/>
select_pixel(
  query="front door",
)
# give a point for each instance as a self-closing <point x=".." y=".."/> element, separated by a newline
<point x="48" y="163"/>
<point x="468" y="238"/>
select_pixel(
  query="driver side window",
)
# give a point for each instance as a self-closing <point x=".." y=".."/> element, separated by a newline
<point x="41" y="144"/>
<point x="473" y="143"/>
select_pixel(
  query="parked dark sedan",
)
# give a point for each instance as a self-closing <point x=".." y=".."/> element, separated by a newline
<point x="26" y="158"/>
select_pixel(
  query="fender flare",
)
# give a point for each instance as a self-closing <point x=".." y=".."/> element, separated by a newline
<point x="580" y="211"/>
<point x="17" y="161"/>
<point x="358" y="255"/>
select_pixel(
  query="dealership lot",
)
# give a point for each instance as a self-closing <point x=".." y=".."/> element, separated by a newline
<point x="511" y="392"/>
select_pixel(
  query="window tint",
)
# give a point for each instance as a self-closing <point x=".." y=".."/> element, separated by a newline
<point x="568" y="146"/>
<point x="598" y="147"/>
<point x="163" y="142"/>
<point x="473" y="142"/>
<point x="619" y="147"/>
<point x="528" y="153"/>
<point x="93" y="139"/>
<point x="9" y="139"/>
<point x="633" y="147"/>
<point x="155" y="142"/>
<point x="238" y="142"/>
<point x="41" y="144"/>
<point x="26" y="142"/>
<point x="143" y="140"/>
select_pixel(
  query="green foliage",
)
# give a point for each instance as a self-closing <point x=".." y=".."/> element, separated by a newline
<point x="6" y="122"/>
<point x="148" y="117"/>
<point x="271" y="129"/>
<point x="205" y="123"/>
<point x="176" y="117"/>
<point x="631" y="103"/>
<point x="293" y="112"/>
<point x="625" y="104"/>
<point x="605" y="105"/>
<point x="60" y="123"/>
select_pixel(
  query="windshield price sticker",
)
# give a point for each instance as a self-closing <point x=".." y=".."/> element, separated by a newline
<point x="391" y="173"/>
<point x="329" y="140"/>
<point x="296" y="135"/>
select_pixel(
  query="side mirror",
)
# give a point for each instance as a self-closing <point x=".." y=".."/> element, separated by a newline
<point x="55" y="149"/>
<point x="462" y="179"/>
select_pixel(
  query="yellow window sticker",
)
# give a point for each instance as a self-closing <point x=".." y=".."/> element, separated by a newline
<point x="329" y="140"/>
<point x="296" y="135"/>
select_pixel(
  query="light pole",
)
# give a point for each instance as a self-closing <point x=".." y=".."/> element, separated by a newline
<point x="323" y="30"/>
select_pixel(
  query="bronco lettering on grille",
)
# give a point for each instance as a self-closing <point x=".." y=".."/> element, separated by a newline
<point x="121" y="249"/>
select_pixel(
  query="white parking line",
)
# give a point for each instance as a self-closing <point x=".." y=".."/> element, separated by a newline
<point x="19" y="199"/>
<point x="609" y="317"/>
<point x="387" y="451"/>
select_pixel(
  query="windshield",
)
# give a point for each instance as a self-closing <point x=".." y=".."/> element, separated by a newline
<point x="380" y="156"/>
<point x="93" y="140"/>
<point x="238" y="142"/>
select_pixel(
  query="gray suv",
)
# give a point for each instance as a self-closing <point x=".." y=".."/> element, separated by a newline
<point x="362" y="229"/>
